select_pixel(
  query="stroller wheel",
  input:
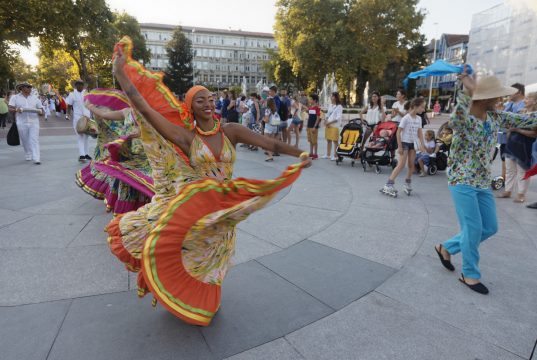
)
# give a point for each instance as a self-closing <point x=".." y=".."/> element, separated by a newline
<point x="377" y="169"/>
<point x="498" y="182"/>
<point x="432" y="170"/>
<point x="352" y="163"/>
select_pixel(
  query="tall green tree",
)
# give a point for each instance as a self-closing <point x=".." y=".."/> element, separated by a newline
<point x="179" y="73"/>
<point x="308" y="33"/>
<point x="22" y="71"/>
<point x="19" y="21"/>
<point x="351" y="38"/>
<point x="281" y="72"/>
<point x="87" y="35"/>
<point x="126" y="24"/>
<point x="58" y="70"/>
<point x="388" y="30"/>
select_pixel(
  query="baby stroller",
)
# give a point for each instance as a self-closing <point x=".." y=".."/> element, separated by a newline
<point x="351" y="138"/>
<point x="438" y="160"/>
<point x="380" y="151"/>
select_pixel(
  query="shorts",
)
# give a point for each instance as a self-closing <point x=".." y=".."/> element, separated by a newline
<point x="407" y="146"/>
<point x="296" y="121"/>
<point x="331" y="133"/>
<point x="283" y="125"/>
<point x="271" y="129"/>
<point x="312" y="135"/>
<point x="426" y="158"/>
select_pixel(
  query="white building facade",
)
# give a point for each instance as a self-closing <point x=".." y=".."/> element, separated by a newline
<point x="503" y="42"/>
<point x="222" y="58"/>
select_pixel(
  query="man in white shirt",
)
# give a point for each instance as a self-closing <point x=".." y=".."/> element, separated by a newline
<point x="398" y="108"/>
<point x="27" y="106"/>
<point x="75" y="101"/>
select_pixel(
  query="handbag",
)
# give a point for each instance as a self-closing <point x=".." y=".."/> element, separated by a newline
<point x="274" y="119"/>
<point x="13" y="135"/>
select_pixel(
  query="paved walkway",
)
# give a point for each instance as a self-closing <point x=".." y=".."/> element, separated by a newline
<point x="330" y="270"/>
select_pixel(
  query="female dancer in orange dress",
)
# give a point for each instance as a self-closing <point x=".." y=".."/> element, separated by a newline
<point x="182" y="242"/>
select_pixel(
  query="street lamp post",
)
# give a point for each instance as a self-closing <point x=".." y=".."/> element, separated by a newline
<point x="432" y="77"/>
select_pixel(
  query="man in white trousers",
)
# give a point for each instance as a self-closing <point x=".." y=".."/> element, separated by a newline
<point x="27" y="106"/>
<point x="75" y="100"/>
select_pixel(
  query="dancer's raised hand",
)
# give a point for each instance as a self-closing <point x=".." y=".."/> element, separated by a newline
<point x="118" y="60"/>
<point x="468" y="81"/>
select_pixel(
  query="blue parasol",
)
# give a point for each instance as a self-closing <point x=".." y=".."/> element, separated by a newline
<point x="438" y="68"/>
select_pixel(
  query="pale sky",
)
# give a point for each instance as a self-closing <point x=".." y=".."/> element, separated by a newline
<point x="452" y="16"/>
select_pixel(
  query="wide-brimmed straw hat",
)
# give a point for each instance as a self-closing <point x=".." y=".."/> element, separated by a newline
<point x="22" y="84"/>
<point x="490" y="87"/>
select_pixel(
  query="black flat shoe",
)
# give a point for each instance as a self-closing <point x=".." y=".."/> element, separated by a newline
<point x="447" y="264"/>
<point x="479" y="287"/>
<point x="532" y="206"/>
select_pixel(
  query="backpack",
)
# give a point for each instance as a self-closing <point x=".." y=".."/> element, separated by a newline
<point x="283" y="111"/>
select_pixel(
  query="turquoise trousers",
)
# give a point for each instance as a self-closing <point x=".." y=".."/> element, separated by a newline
<point x="476" y="211"/>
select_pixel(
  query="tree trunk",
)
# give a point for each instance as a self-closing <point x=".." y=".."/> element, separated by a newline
<point x="83" y="67"/>
<point x="360" y="85"/>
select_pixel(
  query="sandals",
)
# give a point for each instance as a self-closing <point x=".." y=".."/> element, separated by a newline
<point x="269" y="159"/>
<point x="479" y="287"/>
<point x="519" y="199"/>
<point x="446" y="263"/>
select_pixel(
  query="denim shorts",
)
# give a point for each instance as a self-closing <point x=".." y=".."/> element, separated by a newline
<point x="271" y="129"/>
<point x="426" y="158"/>
<point x="408" y="146"/>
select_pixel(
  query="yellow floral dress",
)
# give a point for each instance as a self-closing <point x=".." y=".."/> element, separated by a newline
<point x="181" y="243"/>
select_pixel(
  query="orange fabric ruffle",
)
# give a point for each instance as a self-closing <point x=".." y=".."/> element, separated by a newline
<point x="164" y="273"/>
<point x="116" y="245"/>
<point x="151" y="86"/>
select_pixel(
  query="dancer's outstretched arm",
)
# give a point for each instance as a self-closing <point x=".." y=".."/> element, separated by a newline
<point x="241" y="134"/>
<point x="173" y="133"/>
<point x="106" y="115"/>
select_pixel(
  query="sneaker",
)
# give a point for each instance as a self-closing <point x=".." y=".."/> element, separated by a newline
<point x="325" y="157"/>
<point x="422" y="174"/>
<point x="333" y="158"/>
<point x="407" y="188"/>
<point x="87" y="157"/>
<point x="29" y="158"/>
<point x="389" y="189"/>
<point x="82" y="158"/>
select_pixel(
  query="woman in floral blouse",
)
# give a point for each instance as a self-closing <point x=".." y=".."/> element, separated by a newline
<point x="475" y="123"/>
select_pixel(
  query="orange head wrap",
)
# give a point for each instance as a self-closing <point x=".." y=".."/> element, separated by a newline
<point x="190" y="95"/>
